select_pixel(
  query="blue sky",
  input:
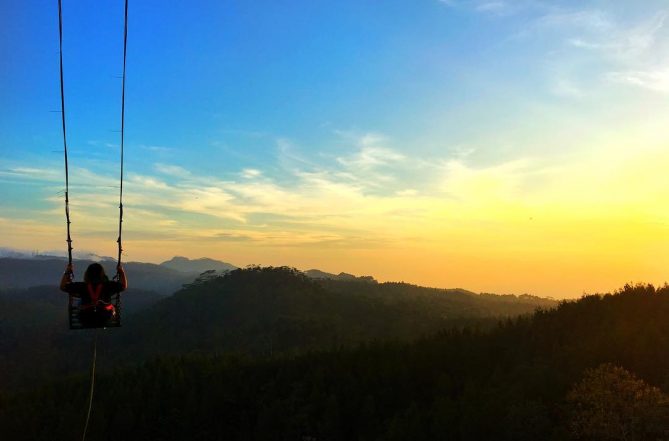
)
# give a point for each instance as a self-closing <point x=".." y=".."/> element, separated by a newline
<point x="349" y="135"/>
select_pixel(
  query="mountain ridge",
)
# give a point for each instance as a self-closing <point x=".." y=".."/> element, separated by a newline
<point x="200" y="265"/>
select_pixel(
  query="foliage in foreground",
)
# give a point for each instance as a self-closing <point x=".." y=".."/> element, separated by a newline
<point x="613" y="404"/>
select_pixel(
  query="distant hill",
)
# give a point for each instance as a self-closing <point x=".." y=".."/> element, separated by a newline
<point x="318" y="274"/>
<point x="186" y="265"/>
<point x="9" y="252"/>
<point x="448" y="303"/>
<point x="21" y="273"/>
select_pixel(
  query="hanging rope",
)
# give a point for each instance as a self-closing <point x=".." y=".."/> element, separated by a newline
<point x="90" y="395"/>
<point x="120" y="197"/>
<point x="62" y="113"/>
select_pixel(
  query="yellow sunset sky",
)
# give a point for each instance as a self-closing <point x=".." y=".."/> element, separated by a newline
<point x="517" y="149"/>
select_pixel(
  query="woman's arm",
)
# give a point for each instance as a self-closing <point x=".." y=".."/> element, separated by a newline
<point x="122" y="279"/>
<point x="67" y="277"/>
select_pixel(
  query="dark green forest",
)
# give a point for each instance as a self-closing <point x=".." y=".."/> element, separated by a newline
<point x="254" y="311"/>
<point x="592" y="369"/>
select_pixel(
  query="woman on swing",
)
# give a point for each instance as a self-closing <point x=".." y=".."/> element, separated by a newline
<point x="95" y="293"/>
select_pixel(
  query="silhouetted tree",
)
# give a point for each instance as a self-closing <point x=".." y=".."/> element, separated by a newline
<point x="610" y="403"/>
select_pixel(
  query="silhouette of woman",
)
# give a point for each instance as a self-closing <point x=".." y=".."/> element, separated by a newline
<point x="95" y="293"/>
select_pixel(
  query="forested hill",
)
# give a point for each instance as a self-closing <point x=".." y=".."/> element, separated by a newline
<point x="594" y="369"/>
<point x="255" y="311"/>
<point x="262" y="310"/>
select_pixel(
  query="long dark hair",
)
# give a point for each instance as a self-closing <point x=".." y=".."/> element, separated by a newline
<point x="95" y="274"/>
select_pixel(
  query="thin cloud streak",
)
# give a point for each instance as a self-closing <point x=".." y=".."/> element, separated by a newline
<point x="316" y="203"/>
<point x="619" y="52"/>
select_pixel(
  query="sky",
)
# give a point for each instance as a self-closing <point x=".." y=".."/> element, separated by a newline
<point x="497" y="146"/>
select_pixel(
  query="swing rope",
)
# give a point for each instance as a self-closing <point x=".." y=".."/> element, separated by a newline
<point x="92" y="388"/>
<point x="62" y="113"/>
<point x="120" y="196"/>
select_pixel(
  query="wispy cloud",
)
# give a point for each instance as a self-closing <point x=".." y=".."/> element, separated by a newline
<point x="250" y="173"/>
<point x="599" y="49"/>
<point x="567" y="87"/>
<point x="587" y="46"/>
<point x="494" y="183"/>
<point x="157" y="148"/>
<point x="371" y="156"/>
<point x="312" y="207"/>
<point x="172" y="170"/>
<point x="616" y="41"/>
<point x="656" y="80"/>
<point x="588" y="20"/>
<point x="32" y="173"/>
<point x="495" y="7"/>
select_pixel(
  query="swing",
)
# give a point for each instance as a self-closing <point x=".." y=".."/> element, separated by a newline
<point x="75" y="307"/>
